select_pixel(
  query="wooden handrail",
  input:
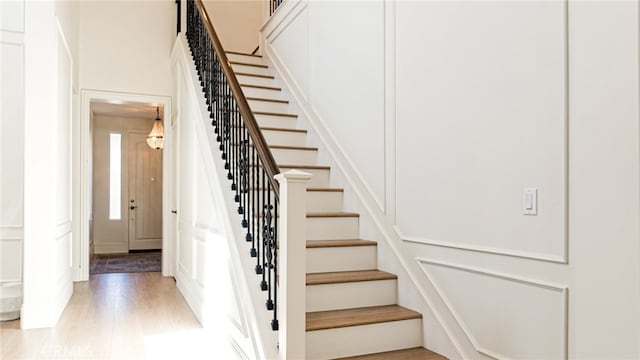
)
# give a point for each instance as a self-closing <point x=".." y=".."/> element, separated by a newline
<point x="268" y="162"/>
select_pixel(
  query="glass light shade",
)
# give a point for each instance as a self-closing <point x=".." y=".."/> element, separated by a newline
<point x="155" y="139"/>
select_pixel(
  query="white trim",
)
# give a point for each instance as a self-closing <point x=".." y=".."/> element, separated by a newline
<point x="62" y="229"/>
<point x="481" y="249"/>
<point x="11" y="233"/>
<point x="87" y="95"/>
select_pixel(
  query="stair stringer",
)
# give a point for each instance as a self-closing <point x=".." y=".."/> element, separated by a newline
<point x="255" y="340"/>
<point x="419" y="292"/>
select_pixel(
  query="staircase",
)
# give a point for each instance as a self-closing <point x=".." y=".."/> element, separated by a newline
<point x="352" y="308"/>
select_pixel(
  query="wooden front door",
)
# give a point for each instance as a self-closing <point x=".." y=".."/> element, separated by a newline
<point x="145" y="194"/>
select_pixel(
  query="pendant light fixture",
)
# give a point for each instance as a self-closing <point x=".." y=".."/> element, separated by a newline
<point x="155" y="138"/>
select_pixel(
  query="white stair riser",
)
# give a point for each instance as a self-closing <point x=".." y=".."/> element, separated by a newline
<point x="255" y="80"/>
<point x="332" y="228"/>
<point x="365" y="339"/>
<point x="294" y="156"/>
<point x="344" y="258"/>
<point x="351" y="295"/>
<point x="269" y="106"/>
<point x="245" y="58"/>
<point x="276" y="121"/>
<point x="316" y="202"/>
<point x="289" y="138"/>
<point x="262" y="93"/>
<point x="248" y="69"/>
<point x="324" y="201"/>
<point x="320" y="177"/>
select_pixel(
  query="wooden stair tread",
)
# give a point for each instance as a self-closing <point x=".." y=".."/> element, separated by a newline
<point x="332" y="319"/>
<point x="269" y="100"/>
<point x="267" y="128"/>
<point x="261" y="87"/>
<point x="311" y="244"/>
<point x="274" y="114"/>
<point x="332" y="214"/>
<point x="316" y="167"/>
<point x="255" y="75"/>
<point x="289" y="166"/>
<point x="326" y="189"/>
<point x="339" y="277"/>
<point x="288" y="147"/>
<point x="283" y="129"/>
<point x="248" y="64"/>
<point x="418" y="353"/>
<point x="241" y="53"/>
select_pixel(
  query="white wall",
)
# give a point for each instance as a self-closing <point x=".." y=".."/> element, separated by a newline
<point x="50" y="61"/>
<point x="111" y="236"/>
<point x="125" y="48"/>
<point x="11" y="140"/>
<point x="436" y="115"/>
<point x="213" y="269"/>
<point x="237" y="23"/>
<point x="125" y="45"/>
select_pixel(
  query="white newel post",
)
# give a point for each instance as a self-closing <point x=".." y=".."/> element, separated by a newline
<point x="292" y="264"/>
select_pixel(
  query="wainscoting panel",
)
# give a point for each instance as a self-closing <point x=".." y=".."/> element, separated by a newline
<point x="11" y="254"/>
<point x="291" y="41"/>
<point x="12" y="16"/>
<point x="504" y="316"/>
<point x="476" y="95"/>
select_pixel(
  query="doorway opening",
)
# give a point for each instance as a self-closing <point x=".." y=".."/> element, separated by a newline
<point x="122" y="208"/>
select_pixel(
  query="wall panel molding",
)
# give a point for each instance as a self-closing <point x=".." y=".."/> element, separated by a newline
<point x="270" y="32"/>
<point x="480" y="249"/>
<point x="563" y="290"/>
<point x="62" y="229"/>
<point x="11" y="233"/>
<point x="561" y="257"/>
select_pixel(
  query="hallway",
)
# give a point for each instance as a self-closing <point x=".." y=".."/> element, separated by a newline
<point x="118" y="316"/>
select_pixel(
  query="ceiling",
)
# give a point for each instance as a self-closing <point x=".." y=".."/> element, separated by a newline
<point x="127" y="110"/>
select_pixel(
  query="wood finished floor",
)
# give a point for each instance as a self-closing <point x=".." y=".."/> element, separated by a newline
<point x="118" y="316"/>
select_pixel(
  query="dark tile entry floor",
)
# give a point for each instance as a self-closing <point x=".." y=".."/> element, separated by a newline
<point x="147" y="261"/>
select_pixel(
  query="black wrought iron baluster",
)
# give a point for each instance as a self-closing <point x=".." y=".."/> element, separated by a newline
<point x="274" y="322"/>
<point x="236" y="154"/>
<point x="255" y="192"/>
<point x="242" y="185"/>
<point x="269" y="239"/>
<point x="261" y="215"/>
<point x="214" y="95"/>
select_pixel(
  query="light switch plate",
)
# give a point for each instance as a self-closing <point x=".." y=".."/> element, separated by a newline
<point x="530" y="201"/>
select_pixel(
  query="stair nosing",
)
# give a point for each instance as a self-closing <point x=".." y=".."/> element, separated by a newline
<point x="241" y="53"/>
<point x="288" y="166"/>
<point x="288" y="147"/>
<point x="268" y="113"/>
<point x="248" y="64"/>
<point x="250" y="98"/>
<point x="364" y="318"/>
<point x="317" y="189"/>
<point x="255" y="75"/>
<point x="267" y="128"/>
<point x="315" y="167"/>
<point x="340" y="214"/>
<point x="425" y="354"/>
<point x="317" y="244"/>
<point x="344" y="277"/>
<point x="261" y="87"/>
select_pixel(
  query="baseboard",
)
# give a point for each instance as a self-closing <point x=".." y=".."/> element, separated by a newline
<point x="113" y="248"/>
